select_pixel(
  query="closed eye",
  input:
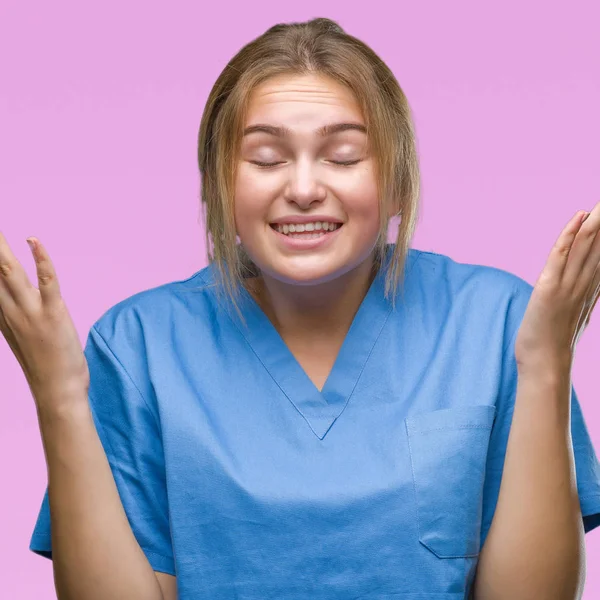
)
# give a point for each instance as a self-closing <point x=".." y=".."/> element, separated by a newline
<point x="345" y="163"/>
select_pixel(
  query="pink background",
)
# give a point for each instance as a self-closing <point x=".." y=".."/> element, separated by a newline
<point x="99" y="111"/>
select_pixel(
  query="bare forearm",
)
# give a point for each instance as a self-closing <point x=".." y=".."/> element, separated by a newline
<point x="535" y="546"/>
<point x="95" y="554"/>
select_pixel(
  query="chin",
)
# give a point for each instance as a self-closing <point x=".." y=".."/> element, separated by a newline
<point x="311" y="267"/>
<point x="306" y="274"/>
<point x="304" y="279"/>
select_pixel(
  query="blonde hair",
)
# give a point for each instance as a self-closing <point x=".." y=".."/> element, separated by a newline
<point x="319" y="46"/>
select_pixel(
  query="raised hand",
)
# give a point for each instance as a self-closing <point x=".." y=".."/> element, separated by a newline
<point x="39" y="330"/>
<point x="563" y="297"/>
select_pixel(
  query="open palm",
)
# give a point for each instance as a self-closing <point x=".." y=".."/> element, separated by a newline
<point x="38" y="328"/>
<point x="564" y="296"/>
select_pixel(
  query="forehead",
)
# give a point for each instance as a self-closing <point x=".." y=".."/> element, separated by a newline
<point x="301" y="97"/>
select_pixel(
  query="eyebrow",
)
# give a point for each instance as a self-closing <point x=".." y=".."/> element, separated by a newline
<point x="324" y="131"/>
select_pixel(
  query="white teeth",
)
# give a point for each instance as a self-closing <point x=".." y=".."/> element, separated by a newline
<point x="307" y="228"/>
<point x="306" y="236"/>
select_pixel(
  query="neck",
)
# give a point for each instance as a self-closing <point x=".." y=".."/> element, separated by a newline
<point x="326" y="309"/>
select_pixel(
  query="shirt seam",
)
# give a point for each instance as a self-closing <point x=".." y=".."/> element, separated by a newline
<point x="109" y="449"/>
<point x="43" y="536"/>
<point x="514" y="334"/>
<point x="149" y="551"/>
<point x="129" y="377"/>
<point x="594" y="495"/>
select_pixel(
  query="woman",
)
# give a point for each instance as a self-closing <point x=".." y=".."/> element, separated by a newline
<point x="316" y="414"/>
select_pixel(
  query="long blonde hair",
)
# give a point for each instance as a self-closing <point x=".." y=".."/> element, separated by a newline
<point x="319" y="46"/>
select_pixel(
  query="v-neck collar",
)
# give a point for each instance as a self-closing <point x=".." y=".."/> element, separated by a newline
<point x="320" y="409"/>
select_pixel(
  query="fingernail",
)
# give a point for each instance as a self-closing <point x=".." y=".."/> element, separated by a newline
<point x="585" y="216"/>
<point x="31" y="243"/>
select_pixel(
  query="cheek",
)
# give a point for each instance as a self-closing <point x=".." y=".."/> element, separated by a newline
<point x="250" y="201"/>
<point x="363" y="203"/>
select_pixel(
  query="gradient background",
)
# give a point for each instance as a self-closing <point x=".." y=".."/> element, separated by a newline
<point x="99" y="111"/>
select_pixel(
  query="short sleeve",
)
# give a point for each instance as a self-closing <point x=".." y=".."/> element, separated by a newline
<point x="586" y="462"/>
<point x="130" y="434"/>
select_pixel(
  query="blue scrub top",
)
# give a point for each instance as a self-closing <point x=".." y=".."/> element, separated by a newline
<point x="242" y="479"/>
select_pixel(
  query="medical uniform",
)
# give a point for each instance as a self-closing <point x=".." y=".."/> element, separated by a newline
<point x="245" y="481"/>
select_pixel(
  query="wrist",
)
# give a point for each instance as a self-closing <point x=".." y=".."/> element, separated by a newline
<point x="63" y="404"/>
<point x="546" y="366"/>
<point x="548" y="376"/>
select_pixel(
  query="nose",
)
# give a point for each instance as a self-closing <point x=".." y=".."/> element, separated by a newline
<point x="304" y="187"/>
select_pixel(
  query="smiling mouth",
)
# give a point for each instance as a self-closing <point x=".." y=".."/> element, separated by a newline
<point x="306" y="231"/>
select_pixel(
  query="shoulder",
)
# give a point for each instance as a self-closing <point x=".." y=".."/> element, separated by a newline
<point x="154" y="308"/>
<point x="484" y="301"/>
<point x="136" y="338"/>
<point x="441" y="273"/>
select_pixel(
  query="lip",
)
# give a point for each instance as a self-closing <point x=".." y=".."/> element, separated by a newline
<point x="305" y="219"/>
<point x="307" y="244"/>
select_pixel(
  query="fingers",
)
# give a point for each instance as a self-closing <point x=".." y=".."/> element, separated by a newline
<point x="590" y="270"/>
<point x="13" y="280"/>
<point x="584" y="255"/>
<point x="562" y="249"/>
<point x="593" y="294"/>
<point x="47" y="280"/>
<point x="15" y="287"/>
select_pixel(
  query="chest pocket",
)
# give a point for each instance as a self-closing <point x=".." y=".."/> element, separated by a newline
<point x="448" y="451"/>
